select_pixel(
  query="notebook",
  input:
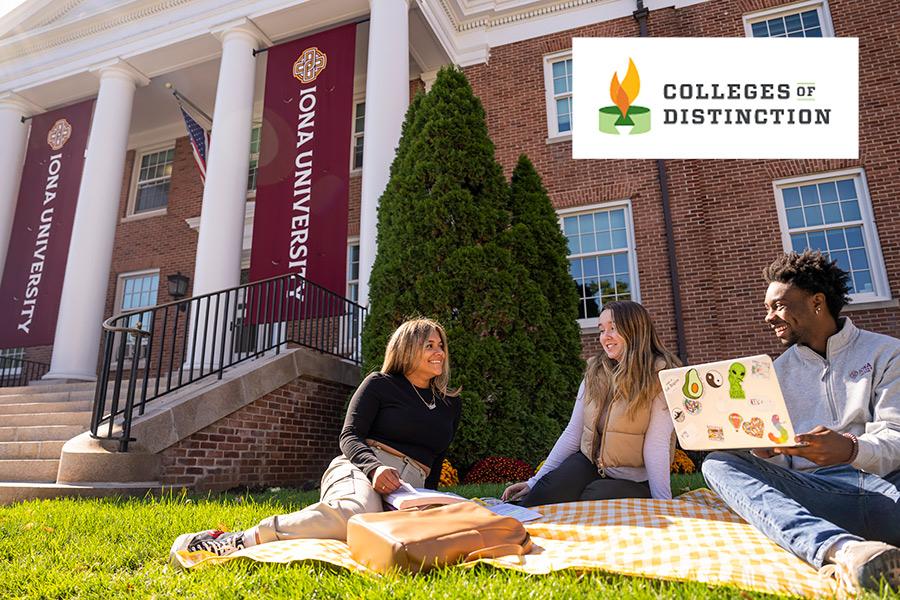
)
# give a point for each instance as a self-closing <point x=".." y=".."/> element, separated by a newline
<point x="728" y="404"/>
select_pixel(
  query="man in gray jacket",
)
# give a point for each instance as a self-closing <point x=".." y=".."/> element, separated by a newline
<point x="835" y="498"/>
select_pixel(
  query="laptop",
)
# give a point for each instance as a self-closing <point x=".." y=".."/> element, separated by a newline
<point x="728" y="404"/>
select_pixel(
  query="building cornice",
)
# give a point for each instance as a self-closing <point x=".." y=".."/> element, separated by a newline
<point x="48" y="34"/>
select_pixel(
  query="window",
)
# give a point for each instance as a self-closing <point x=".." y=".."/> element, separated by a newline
<point x="558" y="88"/>
<point x="359" y="127"/>
<point x="833" y="213"/>
<point x="138" y="290"/>
<point x="601" y="256"/>
<point x="254" y="159"/>
<point x="803" y="19"/>
<point x="154" y="175"/>
<point x="353" y="271"/>
<point x="10" y="364"/>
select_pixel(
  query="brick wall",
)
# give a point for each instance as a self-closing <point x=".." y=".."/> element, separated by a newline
<point x="285" y="438"/>
<point x="724" y="212"/>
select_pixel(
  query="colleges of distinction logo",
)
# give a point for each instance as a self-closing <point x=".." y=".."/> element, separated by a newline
<point x="624" y="117"/>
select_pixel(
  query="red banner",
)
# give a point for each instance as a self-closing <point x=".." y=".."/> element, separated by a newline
<point x="300" y="223"/>
<point x="42" y="227"/>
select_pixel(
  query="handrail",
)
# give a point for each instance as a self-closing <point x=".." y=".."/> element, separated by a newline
<point x="150" y="352"/>
<point x="16" y="372"/>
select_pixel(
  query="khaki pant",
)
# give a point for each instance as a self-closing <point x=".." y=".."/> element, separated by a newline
<point x="346" y="491"/>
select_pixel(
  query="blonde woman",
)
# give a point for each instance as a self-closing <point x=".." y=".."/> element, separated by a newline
<point x="620" y="438"/>
<point x="398" y="427"/>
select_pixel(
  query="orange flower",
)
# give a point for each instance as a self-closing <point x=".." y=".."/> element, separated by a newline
<point x="682" y="463"/>
<point x="449" y="475"/>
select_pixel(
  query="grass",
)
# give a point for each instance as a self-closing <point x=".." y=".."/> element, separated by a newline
<point x="118" y="548"/>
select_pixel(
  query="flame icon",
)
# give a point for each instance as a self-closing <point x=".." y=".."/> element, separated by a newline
<point x="625" y="117"/>
<point x="623" y="94"/>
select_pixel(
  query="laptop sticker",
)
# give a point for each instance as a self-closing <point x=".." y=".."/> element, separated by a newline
<point x="714" y="379"/>
<point x="736" y="373"/>
<point x="715" y="433"/>
<point x="782" y="436"/>
<point x="754" y="427"/>
<point x="692" y="387"/>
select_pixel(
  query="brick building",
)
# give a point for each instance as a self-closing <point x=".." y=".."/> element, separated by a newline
<point x="729" y="217"/>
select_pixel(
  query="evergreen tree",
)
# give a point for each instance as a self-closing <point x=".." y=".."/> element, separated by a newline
<point x="443" y="252"/>
<point x="539" y="245"/>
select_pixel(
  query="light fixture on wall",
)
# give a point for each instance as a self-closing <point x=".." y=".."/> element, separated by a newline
<point x="178" y="285"/>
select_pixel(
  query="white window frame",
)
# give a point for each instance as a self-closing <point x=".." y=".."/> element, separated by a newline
<point x="789" y="9"/>
<point x="553" y="133"/>
<point x="14" y="354"/>
<point x="870" y="233"/>
<point x="351" y="241"/>
<point x="130" y="213"/>
<point x="251" y="193"/>
<point x="354" y="135"/>
<point x="120" y="295"/>
<point x="594" y="322"/>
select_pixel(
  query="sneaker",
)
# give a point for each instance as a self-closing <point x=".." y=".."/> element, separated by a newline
<point x="864" y="565"/>
<point x="216" y="542"/>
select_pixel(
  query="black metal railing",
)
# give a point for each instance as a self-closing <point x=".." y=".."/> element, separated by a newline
<point x="16" y="372"/>
<point x="148" y="353"/>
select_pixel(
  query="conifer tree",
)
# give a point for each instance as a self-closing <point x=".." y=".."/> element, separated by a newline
<point x="443" y="252"/>
<point x="539" y="245"/>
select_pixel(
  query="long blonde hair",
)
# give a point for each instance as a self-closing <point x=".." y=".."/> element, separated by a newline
<point x="406" y="345"/>
<point x="632" y="379"/>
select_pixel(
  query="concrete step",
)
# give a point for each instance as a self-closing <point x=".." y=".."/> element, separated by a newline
<point x="30" y="408"/>
<point x="81" y="418"/>
<point x="44" y="388"/>
<point x="20" y="450"/>
<point x="39" y="433"/>
<point x="17" y="491"/>
<point x="30" y="469"/>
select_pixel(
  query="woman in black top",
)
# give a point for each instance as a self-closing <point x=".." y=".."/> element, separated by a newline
<point x="398" y="427"/>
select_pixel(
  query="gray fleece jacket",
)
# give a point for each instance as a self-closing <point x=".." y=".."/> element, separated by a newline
<point x="854" y="389"/>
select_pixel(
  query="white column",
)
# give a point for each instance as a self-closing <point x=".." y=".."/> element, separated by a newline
<point x="222" y="214"/>
<point x="90" y="251"/>
<point x="387" y="98"/>
<point x="225" y="194"/>
<point x="14" y="134"/>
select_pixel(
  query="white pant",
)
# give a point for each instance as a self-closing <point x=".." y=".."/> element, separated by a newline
<point x="346" y="491"/>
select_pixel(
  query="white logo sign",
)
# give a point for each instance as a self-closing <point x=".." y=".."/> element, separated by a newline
<point x="708" y="98"/>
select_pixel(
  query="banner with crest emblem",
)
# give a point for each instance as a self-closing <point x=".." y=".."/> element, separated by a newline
<point x="42" y="226"/>
<point x="303" y="180"/>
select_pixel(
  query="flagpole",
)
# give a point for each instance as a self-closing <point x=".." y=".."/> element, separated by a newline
<point x="182" y="98"/>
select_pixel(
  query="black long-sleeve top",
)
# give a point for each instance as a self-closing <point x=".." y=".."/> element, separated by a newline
<point x="387" y="409"/>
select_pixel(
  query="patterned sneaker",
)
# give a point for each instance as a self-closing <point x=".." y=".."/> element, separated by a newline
<point x="220" y="543"/>
<point x="865" y="564"/>
<point x="217" y="542"/>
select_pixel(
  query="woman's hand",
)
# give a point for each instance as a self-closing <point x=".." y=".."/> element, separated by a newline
<point x="516" y="491"/>
<point x="385" y="479"/>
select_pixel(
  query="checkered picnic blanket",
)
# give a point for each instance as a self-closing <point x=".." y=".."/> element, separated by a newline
<point x="694" y="537"/>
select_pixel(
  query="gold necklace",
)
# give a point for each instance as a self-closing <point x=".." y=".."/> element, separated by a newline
<point x="433" y="401"/>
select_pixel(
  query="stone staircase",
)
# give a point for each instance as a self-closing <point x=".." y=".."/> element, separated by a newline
<point x="35" y="422"/>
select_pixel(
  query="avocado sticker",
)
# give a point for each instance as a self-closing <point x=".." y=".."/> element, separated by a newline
<point x="692" y="387"/>
<point x="736" y="374"/>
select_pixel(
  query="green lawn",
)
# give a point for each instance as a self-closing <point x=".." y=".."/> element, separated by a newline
<point x="113" y="548"/>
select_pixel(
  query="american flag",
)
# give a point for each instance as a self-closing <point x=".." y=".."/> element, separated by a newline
<point x="199" y="143"/>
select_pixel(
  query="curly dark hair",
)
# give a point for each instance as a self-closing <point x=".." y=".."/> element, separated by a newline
<point x="813" y="272"/>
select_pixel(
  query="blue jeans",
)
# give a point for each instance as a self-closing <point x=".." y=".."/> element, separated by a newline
<point x="805" y="512"/>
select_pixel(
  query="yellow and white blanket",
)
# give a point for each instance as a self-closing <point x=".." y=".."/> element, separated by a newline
<point x="694" y="537"/>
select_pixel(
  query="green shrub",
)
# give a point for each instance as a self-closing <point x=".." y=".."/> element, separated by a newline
<point x="447" y="250"/>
